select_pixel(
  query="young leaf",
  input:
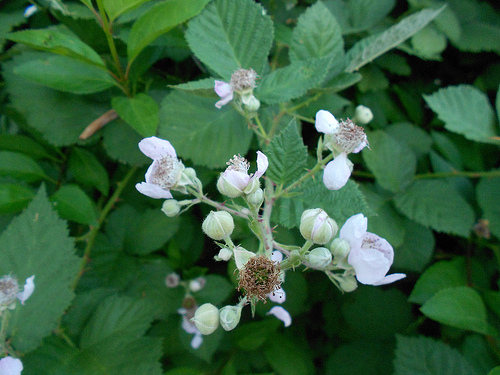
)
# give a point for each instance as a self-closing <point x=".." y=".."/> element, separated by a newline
<point x="116" y="7"/>
<point x="73" y="204"/>
<point x="438" y="205"/>
<point x="465" y="110"/>
<point x="37" y="243"/>
<point x="88" y="170"/>
<point x="200" y="132"/>
<point x="158" y="20"/>
<point x="14" y="197"/>
<point x="391" y="37"/>
<point x="488" y="195"/>
<point x="223" y="36"/>
<point x="20" y="166"/>
<point x="140" y="112"/>
<point x="66" y="74"/>
<point x="460" y="307"/>
<point x="287" y="155"/>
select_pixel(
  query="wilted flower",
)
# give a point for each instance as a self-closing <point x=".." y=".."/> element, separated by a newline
<point x="242" y="82"/>
<point x="259" y="277"/>
<point x="280" y="313"/>
<point x="9" y="291"/>
<point x="10" y="366"/>
<point x="235" y="180"/>
<point x="371" y="256"/>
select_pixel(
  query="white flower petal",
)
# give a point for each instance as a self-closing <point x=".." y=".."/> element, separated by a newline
<point x="29" y="287"/>
<point x="277" y="256"/>
<point x="262" y="164"/>
<point x="354" y="229"/>
<point x="196" y="341"/>
<point x="10" y="366"/>
<point x="224" y="90"/>
<point x="238" y="179"/>
<point x="241" y="256"/>
<point x="326" y="122"/>
<point x="280" y="313"/>
<point x="156" y="148"/>
<point x="278" y="296"/>
<point x="153" y="191"/>
<point x="361" y="146"/>
<point x="370" y="265"/>
<point x="337" y="172"/>
<point x="390" y="279"/>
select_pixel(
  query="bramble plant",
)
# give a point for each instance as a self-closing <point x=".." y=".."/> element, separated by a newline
<point x="224" y="186"/>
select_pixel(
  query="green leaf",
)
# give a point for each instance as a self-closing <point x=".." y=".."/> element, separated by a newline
<point x="287" y="357"/>
<point x="87" y="170"/>
<point x="488" y="195"/>
<point x="393" y="163"/>
<point x="200" y="132"/>
<point x="441" y="275"/>
<point x="24" y="145"/>
<point x="292" y="81"/>
<point x="140" y="112"/>
<point x="158" y="20"/>
<point x="436" y="204"/>
<point x="417" y="247"/>
<point x="66" y="74"/>
<point x="317" y="35"/>
<point x="114" y="8"/>
<point x="37" y="243"/>
<point x="429" y="43"/>
<point x="460" y="307"/>
<point x="287" y="155"/>
<point x="58" y="40"/>
<point x="464" y="110"/>
<point x="414" y="137"/>
<point x="425" y="356"/>
<point x="14" y="197"/>
<point x="495" y="371"/>
<point x="20" y="167"/>
<point x="341" y="82"/>
<point x="120" y="142"/>
<point x="223" y="36"/>
<point x="73" y="204"/>
<point x="201" y="84"/>
<point x="392" y="37"/>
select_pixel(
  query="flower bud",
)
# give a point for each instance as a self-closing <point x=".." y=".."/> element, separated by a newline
<point x="348" y="283"/>
<point x="362" y="115"/>
<point x="172" y="280"/>
<point x="319" y="258"/>
<point x="227" y="188"/>
<point x="230" y="317"/>
<point x="206" y="318"/>
<point x="224" y="254"/>
<point x="256" y="198"/>
<point x="171" y="207"/>
<point x="316" y="226"/>
<point x="252" y="103"/>
<point x="340" y="249"/>
<point x="197" y="284"/>
<point x="218" y="225"/>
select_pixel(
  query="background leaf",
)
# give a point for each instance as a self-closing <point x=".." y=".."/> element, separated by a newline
<point x="73" y="204"/>
<point x="116" y="7"/>
<point x="140" y="112"/>
<point x="20" y="166"/>
<point x="14" y="197"/>
<point x="87" y="170"/>
<point x="488" y="192"/>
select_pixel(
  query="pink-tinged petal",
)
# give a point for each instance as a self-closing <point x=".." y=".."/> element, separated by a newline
<point x="354" y="229"/>
<point x="390" y="279"/>
<point x="196" y="341"/>
<point x="237" y="178"/>
<point x="280" y="313"/>
<point x="381" y="244"/>
<point x="326" y="122"/>
<point x="151" y="170"/>
<point x="262" y="164"/>
<point x="156" y="148"/>
<point x="223" y="89"/>
<point x="277" y="256"/>
<point x="278" y="296"/>
<point x="337" y="172"/>
<point x="10" y="366"/>
<point x="361" y="146"/>
<point x="224" y="101"/>
<point x="29" y="287"/>
<point x="370" y="265"/>
<point x="153" y="191"/>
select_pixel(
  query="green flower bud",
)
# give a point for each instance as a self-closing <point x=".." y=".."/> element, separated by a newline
<point x="251" y="102"/>
<point x="362" y="115"/>
<point x="230" y="317"/>
<point x="319" y="258"/>
<point x="206" y="318"/>
<point x="340" y="249"/>
<point x="171" y="207"/>
<point x="256" y="198"/>
<point x="224" y="254"/>
<point x="218" y="225"/>
<point x="316" y="226"/>
<point x="226" y="188"/>
<point x="348" y="283"/>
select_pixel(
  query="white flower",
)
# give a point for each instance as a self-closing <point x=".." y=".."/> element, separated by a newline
<point x="28" y="290"/>
<point x="29" y="11"/>
<point x="224" y="90"/>
<point x="190" y="328"/>
<point x="337" y="172"/>
<point x="243" y="83"/>
<point x="280" y="313"/>
<point x="165" y="171"/>
<point x="10" y="366"/>
<point x="371" y="256"/>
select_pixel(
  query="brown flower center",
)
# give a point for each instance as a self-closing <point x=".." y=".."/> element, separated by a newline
<point x="259" y="277"/>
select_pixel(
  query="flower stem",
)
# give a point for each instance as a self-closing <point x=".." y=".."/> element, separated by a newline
<point x="3" y="331"/>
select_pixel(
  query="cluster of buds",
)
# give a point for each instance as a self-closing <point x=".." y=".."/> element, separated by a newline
<point x="242" y="83"/>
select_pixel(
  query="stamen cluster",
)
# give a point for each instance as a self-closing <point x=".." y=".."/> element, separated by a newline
<point x="349" y="136"/>
<point x="259" y="277"/>
<point x="243" y="79"/>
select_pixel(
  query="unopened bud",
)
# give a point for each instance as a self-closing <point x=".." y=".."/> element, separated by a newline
<point x="230" y="317"/>
<point x="197" y="284"/>
<point x="224" y="254"/>
<point x="206" y="318"/>
<point x="362" y="115"/>
<point x="171" y="207"/>
<point x="316" y="226"/>
<point x="340" y="249"/>
<point x="252" y="103"/>
<point x="218" y="225"/>
<point x="256" y="198"/>
<point x="348" y="283"/>
<point x="319" y="258"/>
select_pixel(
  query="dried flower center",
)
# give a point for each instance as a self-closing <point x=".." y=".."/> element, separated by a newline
<point x="238" y="164"/>
<point x="349" y="136"/>
<point x="259" y="277"/>
<point x="168" y="172"/>
<point x="8" y="290"/>
<point x="243" y="79"/>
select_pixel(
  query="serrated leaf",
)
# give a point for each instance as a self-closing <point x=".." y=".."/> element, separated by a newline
<point x="20" y="167"/>
<point x="66" y="74"/>
<point x="460" y="307"/>
<point x="200" y="132"/>
<point x="222" y="37"/>
<point x="488" y="196"/>
<point x="87" y="170"/>
<point x="292" y="81"/>
<point x="393" y="163"/>
<point x="287" y="155"/>
<point x="14" y="197"/>
<point x="464" y="110"/>
<point x="116" y="7"/>
<point x="60" y="41"/>
<point x="414" y="137"/>
<point x="37" y="243"/>
<point x="73" y="204"/>
<point x="158" y="20"/>
<point x="317" y="35"/>
<point x="425" y="356"/>
<point x="438" y="205"/>
<point x="202" y="84"/>
<point x="140" y="112"/>
<point x="392" y="37"/>
<point x="341" y="82"/>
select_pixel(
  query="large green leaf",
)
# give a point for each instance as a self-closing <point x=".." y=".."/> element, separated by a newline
<point x="488" y="196"/>
<point x="116" y="7"/>
<point x="20" y="167"/>
<point x="200" y="132"/>
<point x="231" y="34"/>
<point x="14" y="197"/>
<point x="287" y="357"/>
<point x="24" y="145"/>
<point x="158" y="20"/>
<point x="37" y="243"/>
<point x="140" y="112"/>
<point x="465" y="110"/>
<point x="73" y="204"/>
<point x="438" y="205"/>
<point x="120" y="142"/>
<point x="417" y="247"/>
<point x="87" y="169"/>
